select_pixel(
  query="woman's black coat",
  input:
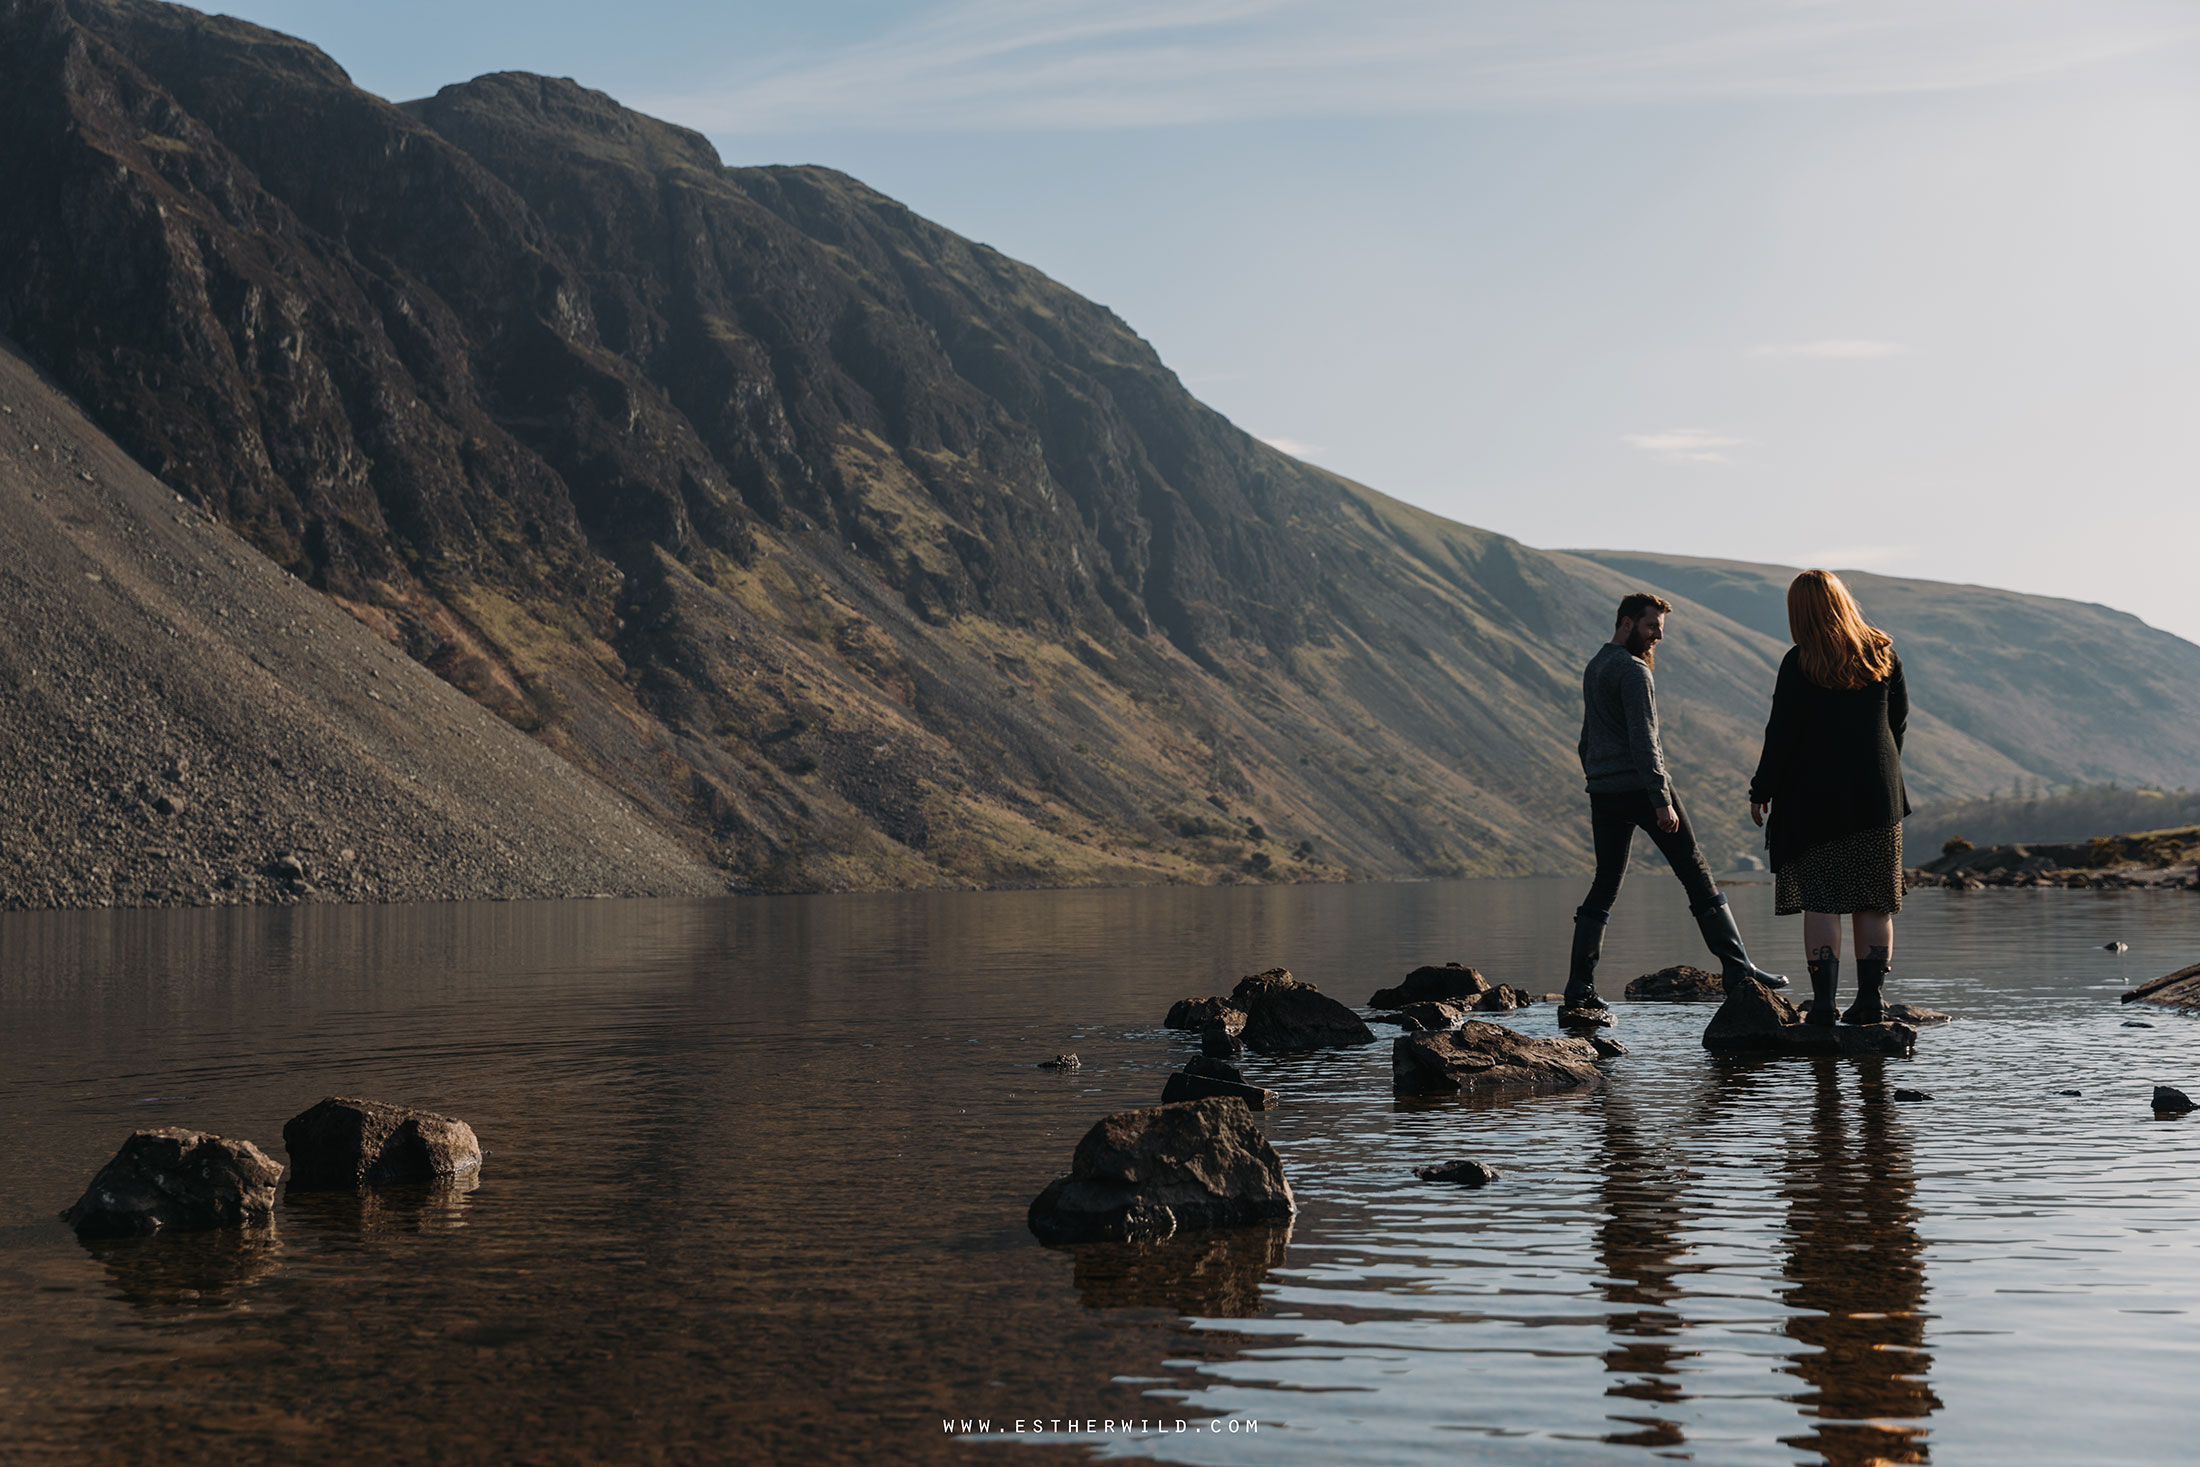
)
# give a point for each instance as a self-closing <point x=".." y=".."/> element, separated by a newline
<point x="1832" y="763"/>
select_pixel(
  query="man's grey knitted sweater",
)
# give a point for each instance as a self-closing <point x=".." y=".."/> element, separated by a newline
<point x="1619" y="727"/>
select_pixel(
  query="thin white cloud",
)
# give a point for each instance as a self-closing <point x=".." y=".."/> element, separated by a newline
<point x="1685" y="445"/>
<point x="1839" y="347"/>
<point x="1293" y="447"/>
<point x="1138" y="63"/>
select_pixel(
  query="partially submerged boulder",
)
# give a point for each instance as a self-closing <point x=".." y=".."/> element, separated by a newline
<point x="1431" y="1014"/>
<point x="181" y="1180"/>
<point x="1205" y="1013"/>
<point x="1755" y="1020"/>
<point x="1216" y="1042"/>
<point x="2178" y="990"/>
<point x="1677" y="984"/>
<point x="2171" y="1101"/>
<point x="1284" y="1015"/>
<point x="348" y="1142"/>
<point x="1915" y="1015"/>
<point x="1465" y="1173"/>
<point x="1427" y="984"/>
<point x="1490" y="1059"/>
<point x="1502" y="998"/>
<point x="1153" y="1172"/>
<point x="1189" y="1085"/>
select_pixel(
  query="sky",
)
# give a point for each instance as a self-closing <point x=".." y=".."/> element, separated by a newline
<point x="1906" y="286"/>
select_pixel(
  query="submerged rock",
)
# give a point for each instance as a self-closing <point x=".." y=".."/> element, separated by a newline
<point x="1283" y="1015"/>
<point x="1756" y="1020"/>
<point x="1427" y="984"/>
<point x="1465" y="1173"/>
<point x="180" y="1180"/>
<point x="1489" y="1059"/>
<point x="1191" y="1085"/>
<point x="1062" y="1062"/>
<point x="1153" y="1172"/>
<point x="2178" y="990"/>
<point x="348" y="1142"/>
<point x="2171" y="1101"/>
<point x="1204" y="1013"/>
<point x="1913" y="1094"/>
<point x="1677" y="984"/>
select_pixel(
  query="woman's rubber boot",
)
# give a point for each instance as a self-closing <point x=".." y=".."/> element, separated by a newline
<point x="1581" y="969"/>
<point x="1825" y="991"/>
<point x="1870" y="974"/>
<point x="1725" y="941"/>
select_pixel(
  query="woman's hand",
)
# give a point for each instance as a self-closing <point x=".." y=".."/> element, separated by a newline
<point x="1757" y="811"/>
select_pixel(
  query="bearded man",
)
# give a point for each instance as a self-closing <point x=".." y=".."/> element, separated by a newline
<point x="1629" y="790"/>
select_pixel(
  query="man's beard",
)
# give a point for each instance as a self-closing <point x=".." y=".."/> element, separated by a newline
<point x="1641" y="646"/>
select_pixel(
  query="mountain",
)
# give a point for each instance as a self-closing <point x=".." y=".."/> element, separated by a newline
<point x="182" y="719"/>
<point x="2066" y="691"/>
<point x="847" y="550"/>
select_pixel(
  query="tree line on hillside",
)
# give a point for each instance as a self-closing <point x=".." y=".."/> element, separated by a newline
<point x="2037" y="812"/>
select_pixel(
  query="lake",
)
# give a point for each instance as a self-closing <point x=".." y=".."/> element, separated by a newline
<point x="757" y="1172"/>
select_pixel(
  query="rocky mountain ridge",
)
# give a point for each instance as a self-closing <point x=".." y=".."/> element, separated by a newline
<point x="847" y="551"/>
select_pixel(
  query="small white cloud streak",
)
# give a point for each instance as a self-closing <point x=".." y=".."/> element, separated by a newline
<point x="1293" y="447"/>
<point x="1141" y="63"/>
<point x="1841" y="348"/>
<point x="1685" y="445"/>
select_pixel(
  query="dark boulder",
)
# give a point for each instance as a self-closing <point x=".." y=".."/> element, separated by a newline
<point x="2178" y="990"/>
<point x="1153" y="1172"/>
<point x="1917" y="1016"/>
<point x="1465" y="1173"/>
<point x="1430" y="1014"/>
<point x="1191" y="1085"/>
<point x="1677" y="984"/>
<point x="347" y="1142"/>
<point x="1284" y="1015"/>
<point x="1063" y="1062"/>
<point x="2170" y="1101"/>
<point x="1489" y="1059"/>
<point x="1901" y="1094"/>
<point x="1606" y="1048"/>
<point x="1755" y="1020"/>
<point x="1502" y="999"/>
<point x="1427" y="984"/>
<point x="1205" y="1013"/>
<point x="1216" y="1042"/>
<point x="1214" y="1069"/>
<point x="180" y="1180"/>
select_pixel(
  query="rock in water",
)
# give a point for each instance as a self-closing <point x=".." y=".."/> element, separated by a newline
<point x="1606" y="1048"/>
<point x="1217" y="1042"/>
<point x="1063" y="1062"/>
<point x="1465" y="1173"/>
<point x="1913" y="1095"/>
<point x="1214" y="1069"/>
<point x="1204" y="1013"/>
<point x="2116" y="947"/>
<point x="1915" y="1015"/>
<point x="2170" y="1101"/>
<point x="1431" y="984"/>
<point x="1756" y="1020"/>
<point x="1677" y="984"/>
<point x="1191" y="1085"/>
<point x="1431" y="1014"/>
<point x="346" y="1142"/>
<point x="1502" y="998"/>
<point x="1150" y="1173"/>
<point x="2178" y="990"/>
<point x="1598" y="1017"/>
<point x="1283" y="1015"/>
<point x="183" y="1180"/>
<point x="1489" y="1059"/>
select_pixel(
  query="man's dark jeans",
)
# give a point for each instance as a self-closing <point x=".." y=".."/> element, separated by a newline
<point x="1613" y="821"/>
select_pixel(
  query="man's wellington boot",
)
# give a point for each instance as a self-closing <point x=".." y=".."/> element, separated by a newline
<point x="1581" y="969"/>
<point x="1725" y="941"/>
<point x="1870" y="974"/>
<point x="1825" y="990"/>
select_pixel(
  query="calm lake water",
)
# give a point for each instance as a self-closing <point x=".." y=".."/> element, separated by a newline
<point x="758" y="1169"/>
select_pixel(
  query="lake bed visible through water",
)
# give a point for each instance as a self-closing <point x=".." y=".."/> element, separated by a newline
<point x="757" y="1172"/>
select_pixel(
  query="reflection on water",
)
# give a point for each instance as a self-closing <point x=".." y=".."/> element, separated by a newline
<point x="758" y="1173"/>
<point x="1216" y="1274"/>
<point x="1856" y="1271"/>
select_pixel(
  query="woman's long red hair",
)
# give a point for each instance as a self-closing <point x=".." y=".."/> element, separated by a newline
<point x="1840" y="649"/>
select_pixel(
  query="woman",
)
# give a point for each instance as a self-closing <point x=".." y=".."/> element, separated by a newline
<point x="1831" y="776"/>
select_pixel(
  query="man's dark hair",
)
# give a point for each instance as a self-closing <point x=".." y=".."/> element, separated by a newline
<point x="1635" y="603"/>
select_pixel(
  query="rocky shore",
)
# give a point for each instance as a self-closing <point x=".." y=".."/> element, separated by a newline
<point x="2156" y="860"/>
